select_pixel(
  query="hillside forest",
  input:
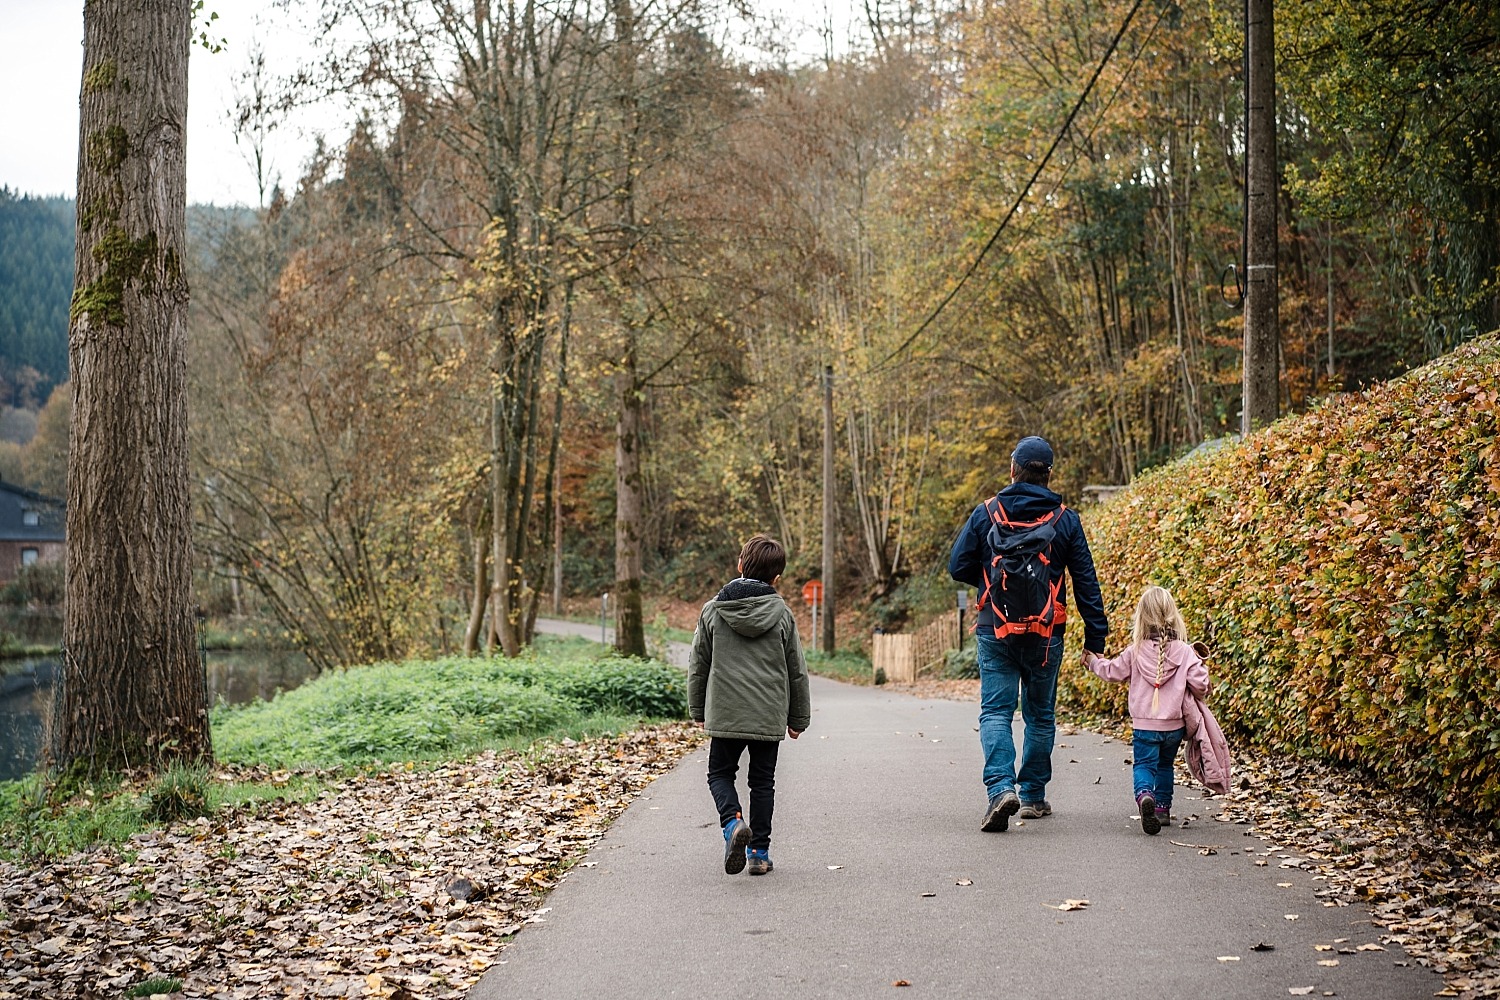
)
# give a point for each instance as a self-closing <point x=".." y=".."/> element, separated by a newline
<point x="554" y="319"/>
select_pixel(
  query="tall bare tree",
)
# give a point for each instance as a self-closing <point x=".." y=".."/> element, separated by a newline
<point x="132" y="690"/>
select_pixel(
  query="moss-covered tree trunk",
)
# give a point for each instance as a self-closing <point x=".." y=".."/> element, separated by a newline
<point x="132" y="690"/>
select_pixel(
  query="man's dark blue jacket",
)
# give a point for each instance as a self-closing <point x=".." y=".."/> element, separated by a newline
<point x="1070" y="551"/>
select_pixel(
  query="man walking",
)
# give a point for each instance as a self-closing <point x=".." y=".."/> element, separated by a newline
<point x="1015" y="548"/>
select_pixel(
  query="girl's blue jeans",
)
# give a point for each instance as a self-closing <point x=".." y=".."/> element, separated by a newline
<point x="1154" y="753"/>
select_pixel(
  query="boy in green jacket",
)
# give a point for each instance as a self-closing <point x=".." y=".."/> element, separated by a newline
<point x="747" y="683"/>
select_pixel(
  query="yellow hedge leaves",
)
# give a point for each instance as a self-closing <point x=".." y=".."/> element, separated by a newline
<point x="1345" y="567"/>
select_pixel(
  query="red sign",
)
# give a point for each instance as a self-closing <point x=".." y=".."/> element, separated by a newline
<point x="812" y="591"/>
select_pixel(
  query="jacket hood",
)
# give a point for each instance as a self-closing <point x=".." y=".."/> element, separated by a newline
<point x="1027" y="501"/>
<point x="750" y="607"/>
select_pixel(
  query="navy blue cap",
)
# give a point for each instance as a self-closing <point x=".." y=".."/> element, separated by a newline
<point x="1032" y="451"/>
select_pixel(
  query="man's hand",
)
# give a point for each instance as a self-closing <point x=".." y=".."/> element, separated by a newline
<point x="698" y="723"/>
<point x="793" y="733"/>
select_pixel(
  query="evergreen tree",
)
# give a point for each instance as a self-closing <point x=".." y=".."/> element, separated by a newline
<point x="36" y="283"/>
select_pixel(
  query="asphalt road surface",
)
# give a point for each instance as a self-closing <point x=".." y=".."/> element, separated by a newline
<point x="882" y="877"/>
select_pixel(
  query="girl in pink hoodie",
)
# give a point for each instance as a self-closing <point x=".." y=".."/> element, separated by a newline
<point x="1161" y="668"/>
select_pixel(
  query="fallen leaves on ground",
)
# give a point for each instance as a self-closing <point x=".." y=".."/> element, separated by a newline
<point x="354" y="894"/>
<point x="1429" y="877"/>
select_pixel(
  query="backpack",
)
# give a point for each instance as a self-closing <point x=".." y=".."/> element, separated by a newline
<point x="1018" y="582"/>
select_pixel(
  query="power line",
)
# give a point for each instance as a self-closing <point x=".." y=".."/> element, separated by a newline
<point x="995" y="238"/>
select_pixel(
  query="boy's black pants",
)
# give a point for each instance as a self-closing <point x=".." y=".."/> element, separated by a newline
<point x="724" y="763"/>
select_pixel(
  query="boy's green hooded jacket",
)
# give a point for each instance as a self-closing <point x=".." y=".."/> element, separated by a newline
<point x="747" y="679"/>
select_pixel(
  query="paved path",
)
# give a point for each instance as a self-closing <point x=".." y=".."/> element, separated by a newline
<point x="677" y="652"/>
<point x="877" y="817"/>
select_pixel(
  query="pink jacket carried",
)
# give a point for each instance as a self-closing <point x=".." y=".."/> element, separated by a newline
<point x="1207" y="750"/>
<point x="1158" y="683"/>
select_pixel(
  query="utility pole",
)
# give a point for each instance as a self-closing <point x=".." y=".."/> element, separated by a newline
<point x="828" y="646"/>
<point x="1260" y="387"/>
<point x="1330" y="303"/>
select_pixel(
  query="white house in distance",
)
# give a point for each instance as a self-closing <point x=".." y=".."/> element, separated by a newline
<point x="31" y="529"/>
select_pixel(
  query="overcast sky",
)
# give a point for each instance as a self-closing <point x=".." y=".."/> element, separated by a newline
<point x="42" y="66"/>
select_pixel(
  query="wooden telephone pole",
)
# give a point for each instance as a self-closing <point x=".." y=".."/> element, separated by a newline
<point x="1262" y="338"/>
<point x="828" y="527"/>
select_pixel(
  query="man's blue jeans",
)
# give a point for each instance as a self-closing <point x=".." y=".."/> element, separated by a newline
<point x="1153" y="753"/>
<point x="1024" y="669"/>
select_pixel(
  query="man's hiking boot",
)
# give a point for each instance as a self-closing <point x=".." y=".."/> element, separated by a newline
<point x="736" y="836"/>
<point x="1034" y="810"/>
<point x="760" y="861"/>
<point x="1163" y="816"/>
<point x="997" y="816"/>
<point x="1149" y="822"/>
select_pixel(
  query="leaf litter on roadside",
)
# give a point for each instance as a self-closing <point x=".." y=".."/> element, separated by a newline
<point x="398" y="882"/>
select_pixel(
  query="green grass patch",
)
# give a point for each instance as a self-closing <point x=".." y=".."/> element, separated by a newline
<point x="445" y="708"/>
<point x="843" y="665"/>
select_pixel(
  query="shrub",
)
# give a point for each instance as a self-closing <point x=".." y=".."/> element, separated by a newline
<point x="1345" y="566"/>
<point x="963" y="664"/>
<point x="40" y="583"/>
<point x="631" y="687"/>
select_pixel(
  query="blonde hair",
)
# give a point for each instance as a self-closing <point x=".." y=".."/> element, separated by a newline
<point x="1157" y="617"/>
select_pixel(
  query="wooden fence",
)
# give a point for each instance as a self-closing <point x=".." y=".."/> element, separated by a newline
<point x="905" y="656"/>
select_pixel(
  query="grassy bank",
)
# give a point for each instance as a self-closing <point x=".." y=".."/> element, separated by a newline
<point x="291" y="747"/>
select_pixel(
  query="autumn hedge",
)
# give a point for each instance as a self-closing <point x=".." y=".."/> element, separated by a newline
<point x="1345" y="567"/>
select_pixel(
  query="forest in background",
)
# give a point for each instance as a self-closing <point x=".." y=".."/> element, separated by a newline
<point x="543" y="316"/>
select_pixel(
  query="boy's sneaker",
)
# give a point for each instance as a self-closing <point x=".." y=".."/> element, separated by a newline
<point x="1164" y="816"/>
<point x="997" y="816"/>
<point x="1147" y="803"/>
<point x="1034" y="810"/>
<point x="760" y="861"/>
<point x="736" y="836"/>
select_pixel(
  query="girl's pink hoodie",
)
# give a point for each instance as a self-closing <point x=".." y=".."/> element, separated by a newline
<point x="1156" y="695"/>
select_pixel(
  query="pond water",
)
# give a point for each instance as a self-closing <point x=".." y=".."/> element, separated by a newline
<point x="234" y="677"/>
